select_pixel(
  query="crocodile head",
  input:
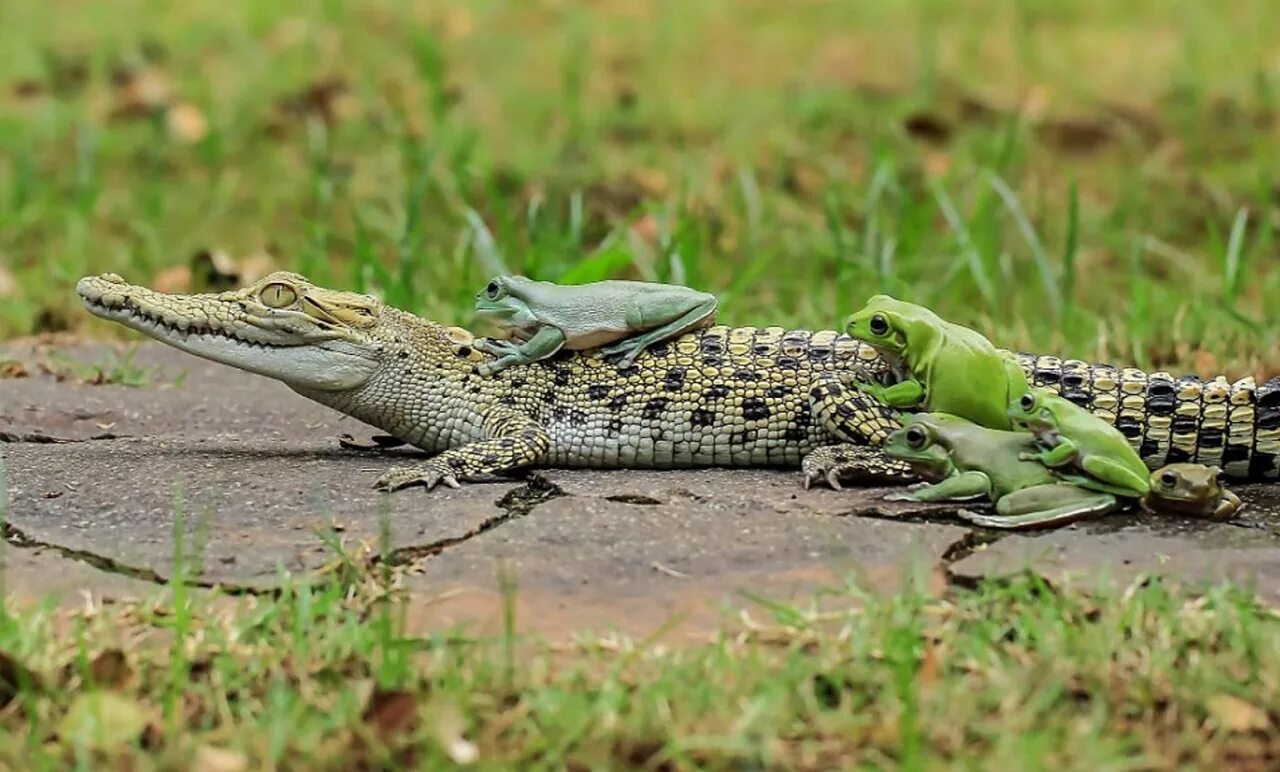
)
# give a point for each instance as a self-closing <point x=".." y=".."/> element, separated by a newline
<point x="281" y="326"/>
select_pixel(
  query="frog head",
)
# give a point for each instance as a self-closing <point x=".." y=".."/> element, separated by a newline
<point x="1194" y="485"/>
<point x="894" y="328"/>
<point x="503" y="300"/>
<point x="920" y="443"/>
<point x="1035" y="411"/>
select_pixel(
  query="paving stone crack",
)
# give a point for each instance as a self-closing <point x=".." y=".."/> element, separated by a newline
<point x="16" y="537"/>
<point x="514" y="504"/>
<point x="40" y="438"/>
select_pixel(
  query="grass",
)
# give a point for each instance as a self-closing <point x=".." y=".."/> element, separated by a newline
<point x="1091" y="178"/>
<point x="1056" y="174"/>
<point x="1009" y="675"/>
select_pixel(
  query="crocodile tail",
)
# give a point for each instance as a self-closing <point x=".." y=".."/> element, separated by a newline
<point x="1235" y="426"/>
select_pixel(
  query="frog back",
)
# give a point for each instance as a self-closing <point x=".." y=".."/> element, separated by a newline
<point x="966" y="375"/>
<point x="995" y="453"/>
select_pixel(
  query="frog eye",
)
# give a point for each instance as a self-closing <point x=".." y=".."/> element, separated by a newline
<point x="916" y="437"/>
<point x="277" y="295"/>
<point x="1027" y="402"/>
<point x="879" y="325"/>
<point x="1168" y="480"/>
<point x="492" y="290"/>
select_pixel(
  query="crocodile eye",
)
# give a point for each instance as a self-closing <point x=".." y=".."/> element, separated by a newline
<point x="879" y="325"/>
<point x="492" y="290"/>
<point x="915" y="437"/>
<point x="277" y="295"/>
<point x="1168" y="480"/>
<point x="1027" y="402"/>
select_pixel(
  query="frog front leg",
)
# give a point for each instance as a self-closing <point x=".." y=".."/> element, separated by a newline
<point x="1228" y="505"/>
<point x="1060" y="455"/>
<point x="545" y="342"/>
<point x="957" y="487"/>
<point x="673" y="317"/>
<point x="1044" y="506"/>
<point x="908" y="393"/>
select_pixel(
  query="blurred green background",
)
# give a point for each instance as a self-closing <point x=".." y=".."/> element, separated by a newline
<point x="1091" y="178"/>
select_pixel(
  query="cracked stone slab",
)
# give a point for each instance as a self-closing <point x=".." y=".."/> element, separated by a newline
<point x="635" y="549"/>
<point x="249" y="508"/>
<point x="1113" y="551"/>
<point x="259" y="468"/>
<point x="31" y="576"/>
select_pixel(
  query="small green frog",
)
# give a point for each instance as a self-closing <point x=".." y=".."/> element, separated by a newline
<point x="1079" y="446"/>
<point x="965" y="461"/>
<point x="545" y="317"/>
<point x="940" y="367"/>
<point x="1190" y="489"/>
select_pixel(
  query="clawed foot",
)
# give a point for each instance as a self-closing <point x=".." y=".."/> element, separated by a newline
<point x="376" y="442"/>
<point x="404" y="476"/>
<point x="840" y="464"/>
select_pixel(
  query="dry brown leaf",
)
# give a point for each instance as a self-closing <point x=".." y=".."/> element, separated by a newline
<point x="111" y="669"/>
<point x="654" y="182"/>
<point x="13" y="676"/>
<point x="927" y="127"/>
<point x="328" y="99"/>
<point x="1233" y="714"/>
<point x="173" y="279"/>
<point x="12" y="368"/>
<point x="390" y="713"/>
<point x="211" y="759"/>
<point x="186" y="124"/>
<point x="255" y="266"/>
<point x="646" y="229"/>
<point x="937" y="164"/>
<point x="1206" y="365"/>
<point x="141" y="91"/>
<point x="927" y="675"/>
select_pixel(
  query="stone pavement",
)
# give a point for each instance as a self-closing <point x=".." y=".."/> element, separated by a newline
<point x="98" y="476"/>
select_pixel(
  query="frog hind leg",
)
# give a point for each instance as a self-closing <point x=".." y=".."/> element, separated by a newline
<point x="1118" y="478"/>
<point x="699" y="316"/>
<point x="1228" y="505"/>
<point x="960" y="486"/>
<point x="1044" y="506"/>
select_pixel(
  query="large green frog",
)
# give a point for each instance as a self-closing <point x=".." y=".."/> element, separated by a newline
<point x="940" y="367"/>
<point x="965" y="461"/>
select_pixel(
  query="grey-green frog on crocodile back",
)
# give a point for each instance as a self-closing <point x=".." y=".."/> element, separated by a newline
<point x="1190" y="489"/>
<point x="963" y="461"/>
<point x="620" y="317"/>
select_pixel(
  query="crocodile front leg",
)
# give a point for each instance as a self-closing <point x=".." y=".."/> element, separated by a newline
<point x="864" y="424"/>
<point x="512" y="440"/>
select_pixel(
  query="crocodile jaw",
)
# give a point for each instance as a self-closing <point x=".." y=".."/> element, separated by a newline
<point x="208" y="326"/>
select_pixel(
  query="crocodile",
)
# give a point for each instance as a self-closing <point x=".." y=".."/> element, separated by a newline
<point x="717" y="396"/>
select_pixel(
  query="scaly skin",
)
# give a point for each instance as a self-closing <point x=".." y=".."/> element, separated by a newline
<point x="715" y="397"/>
